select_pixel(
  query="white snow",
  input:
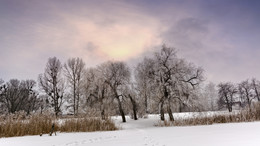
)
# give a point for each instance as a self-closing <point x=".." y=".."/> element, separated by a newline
<point x="143" y="133"/>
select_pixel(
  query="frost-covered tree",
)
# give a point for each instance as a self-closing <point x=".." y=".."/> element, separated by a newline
<point x="246" y="92"/>
<point x="226" y="93"/>
<point x="52" y="83"/>
<point x="209" y="97"/>
<point x="116" y="75"/>
<point x="144" y="86"/>
<point x="97" y="91"/>
<point x="174" y="79"/>
<point x="74" y="70"/>
<point x="256" y="88"/>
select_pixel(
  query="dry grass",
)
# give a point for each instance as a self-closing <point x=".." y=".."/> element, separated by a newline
<point x="19" y="124"/>
<point x="201" y="119"/>
<point x="87" y="124"/>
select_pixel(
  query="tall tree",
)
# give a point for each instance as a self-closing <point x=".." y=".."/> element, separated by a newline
<point x="144" y="84"/>
<point x="74" y="70"/>
<point x="97" y="91"/>
<point x="173" y="77"/>
<point x="117" y="75"/>
<point x="52" y="84"/>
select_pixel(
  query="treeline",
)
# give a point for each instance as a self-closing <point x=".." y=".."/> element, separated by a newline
<point x="161" y="83"/>
<point x="240" y="95"/>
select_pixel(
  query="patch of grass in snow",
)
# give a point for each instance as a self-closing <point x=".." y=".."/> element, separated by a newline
<point x="19" y="124"/>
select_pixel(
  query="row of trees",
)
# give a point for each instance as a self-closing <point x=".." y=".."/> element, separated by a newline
<point x="242" y="94"/>
<point x="161" y="83"/>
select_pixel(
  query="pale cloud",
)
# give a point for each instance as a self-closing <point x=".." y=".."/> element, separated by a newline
<point x="102" y="30"/>
<point x="121" y="34"/>
<point x="121" y="40"/>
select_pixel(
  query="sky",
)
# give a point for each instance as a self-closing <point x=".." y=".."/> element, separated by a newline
<point x="221" y="36"/>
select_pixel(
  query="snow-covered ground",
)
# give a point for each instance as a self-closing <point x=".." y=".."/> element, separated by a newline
<point x="143" y="133"/>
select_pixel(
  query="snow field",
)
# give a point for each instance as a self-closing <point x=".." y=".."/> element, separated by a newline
<point x="143" y="133"/>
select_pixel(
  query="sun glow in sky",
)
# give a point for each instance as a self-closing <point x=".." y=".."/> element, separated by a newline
<point x="222" y="36"/>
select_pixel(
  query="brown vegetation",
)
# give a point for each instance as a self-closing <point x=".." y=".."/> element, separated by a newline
<point x="201" y="119"/>
<point x="37" y="124"/>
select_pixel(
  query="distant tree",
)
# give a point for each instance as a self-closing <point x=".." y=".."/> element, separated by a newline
<point x="52" y="84"/>
<point x="210" y="97"/>
<point x="226" y="93"/>
<point x="1" y="82"/>
<point x="2" y="87"/>
<point x="256" y="88"/>
<point x="97" y="91"/>
<point x="246" y="92"/>
<point x="43" y="103"/>
<point x="144" y="86"/>
<point x="74" y="70"/>
<point x="31" y="100"/>
<point x="19" y="95"/>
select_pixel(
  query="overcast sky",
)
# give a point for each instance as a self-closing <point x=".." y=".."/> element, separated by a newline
<point x="222" y="36"/>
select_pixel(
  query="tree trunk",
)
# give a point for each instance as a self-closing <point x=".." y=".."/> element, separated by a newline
<point x="230" y="107"/>
<point x="180" y="106"/>
<point x="162" y="111"/>
<point x="121" y="110"/>
<point x="170" y="113"/>
<point x="134" y="107"/>
<point x="103" y="117"/>
<point x="146" y="103"/>
<point x="74" y="97"/>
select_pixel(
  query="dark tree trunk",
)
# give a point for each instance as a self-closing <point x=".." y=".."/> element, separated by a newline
<point x="134" y="107"/>
<point x="121" y="109"/>
<point x="169" y="110"/>
<point x="74" y="97"/>
<point x="230" y="107"/>
<point x="162" y="111"/>
<point x="146" y="104"/>
<point x="103" y="114"/>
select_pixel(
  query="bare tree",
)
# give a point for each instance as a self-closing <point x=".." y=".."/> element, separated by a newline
<point x="144" y="84"/>
<point x="256" y="88"/>
<point x="19" y="95"/>
<point x="43" y="103"/>
<point x="2" y="90"/>
<point x="74" y="70"/>
<point x="31" y="99"/>
<point x="130" y="93"/>
<point x="52" y="84"/>
<point x="173" y="77"/>
<point x="117" y="75"/>
<point x="245" y="89"/>
<point x="226" y="92"/>
<point x="210" y="97"/>
<point x="97" y="91"/>
<point x="1" y="82"/>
